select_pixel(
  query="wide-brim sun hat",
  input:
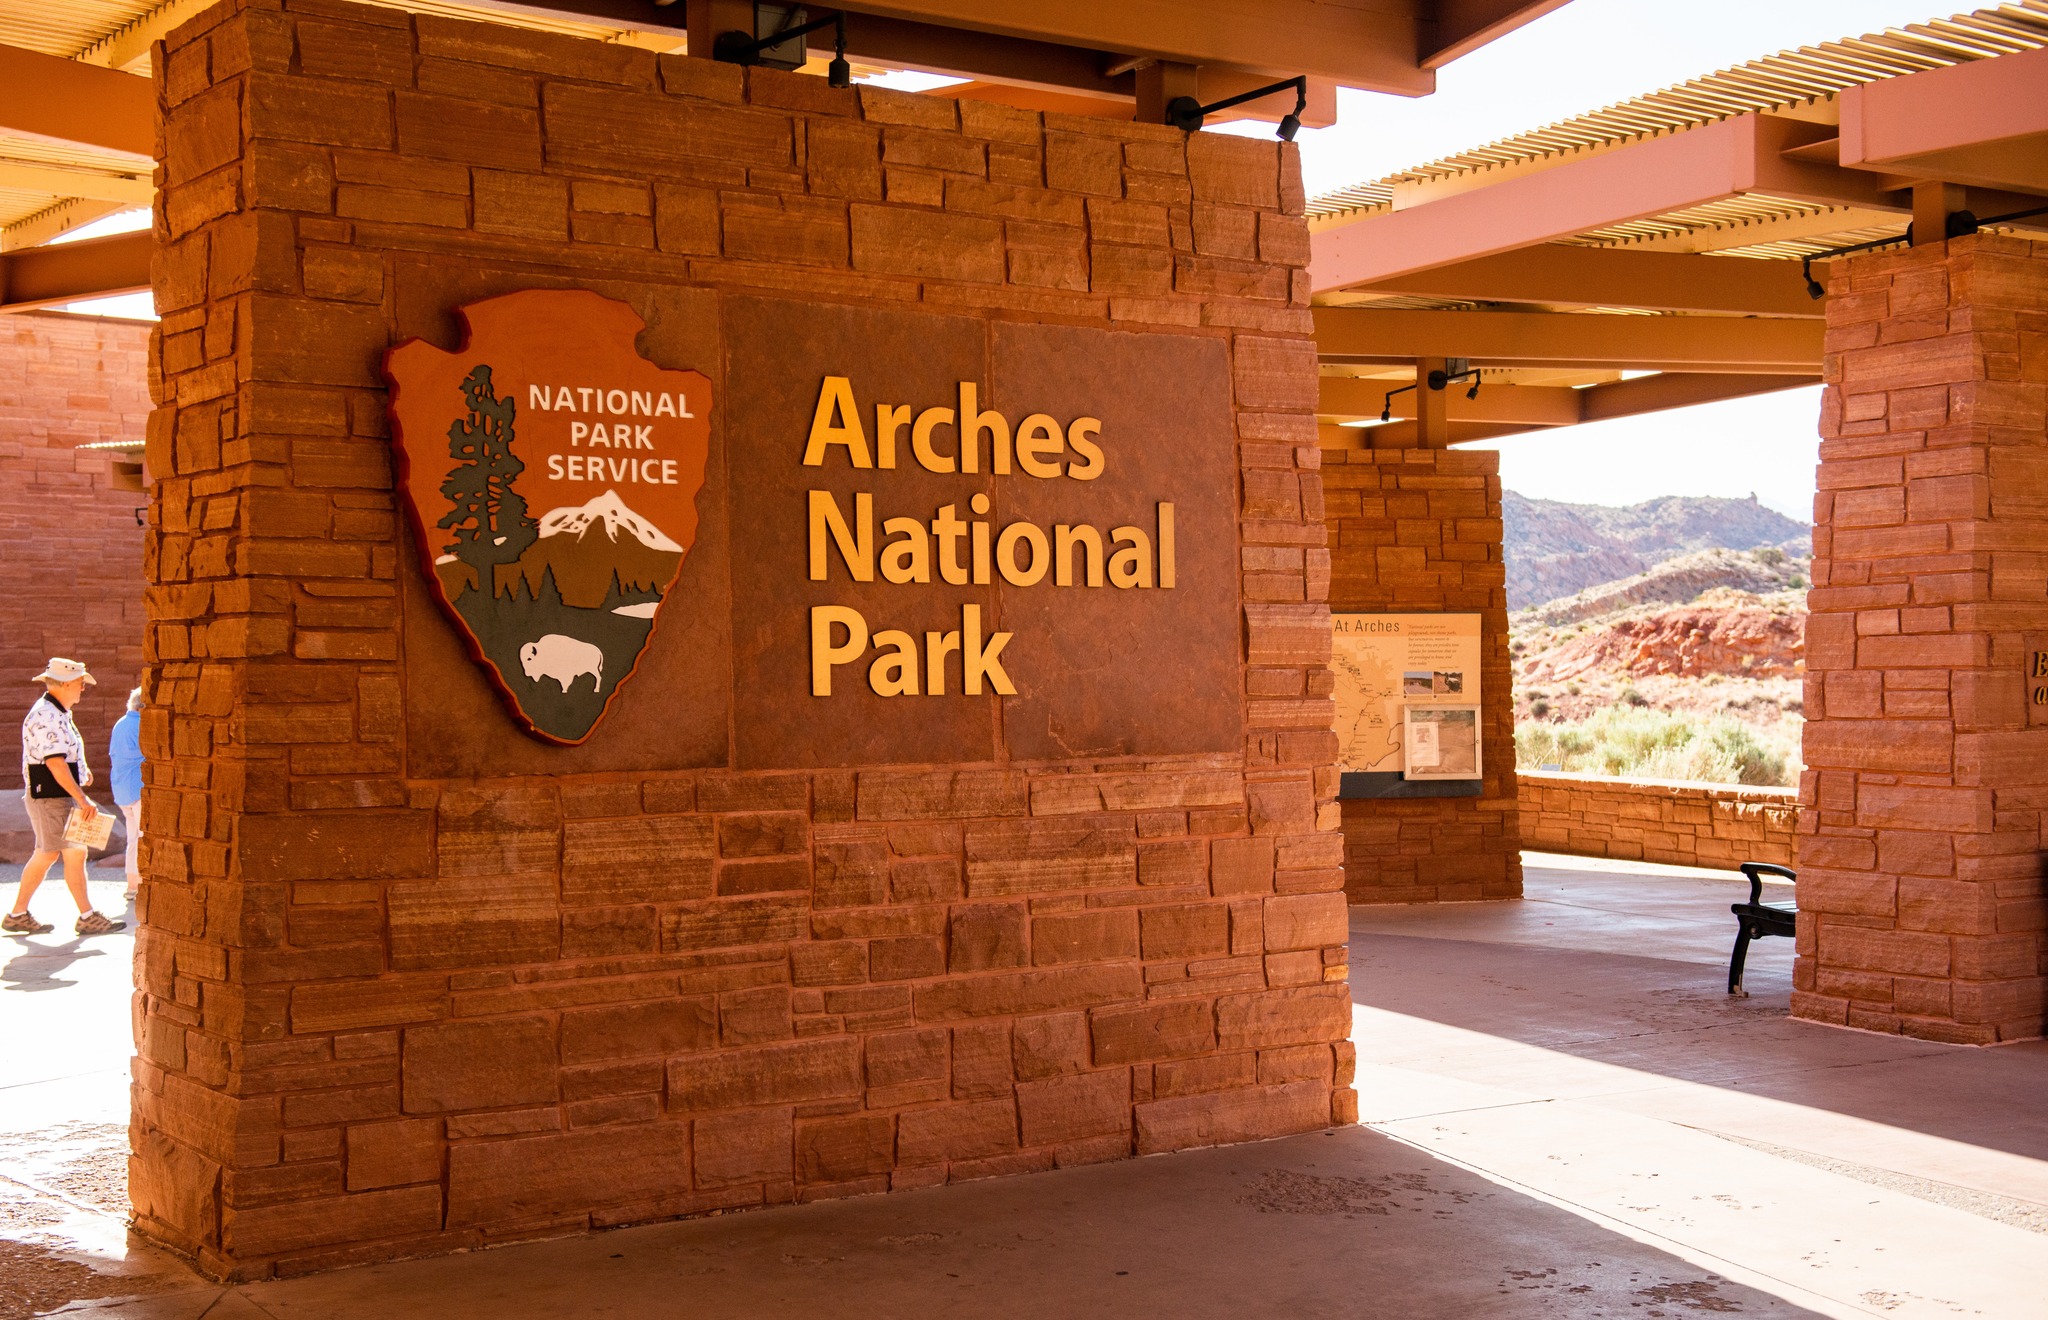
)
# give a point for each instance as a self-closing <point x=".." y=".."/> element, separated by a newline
<point x="60" y="670"/>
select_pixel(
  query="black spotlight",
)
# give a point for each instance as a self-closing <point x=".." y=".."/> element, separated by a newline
<point x="737" y="47"/>
<point x="1186" y="113"/>
<point x="839" y="73"/>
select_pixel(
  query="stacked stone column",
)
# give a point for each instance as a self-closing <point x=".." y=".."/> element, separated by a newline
<point x="391" y="1001"/>
<point x="1418" y="531"/>
<point x="1922" y="806"/>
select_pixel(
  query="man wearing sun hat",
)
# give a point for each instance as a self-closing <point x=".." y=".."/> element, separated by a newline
<point x="54" y="775"/>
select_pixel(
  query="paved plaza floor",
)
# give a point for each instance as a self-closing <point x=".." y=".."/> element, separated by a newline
<point x="1562" y="1115"/>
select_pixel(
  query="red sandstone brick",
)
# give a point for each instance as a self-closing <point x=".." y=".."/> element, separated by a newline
<point x="989" y="935"/>
<point x="479" y="1065"/>
<point x="1149" y="1032"/>
<point x="1028" y="992"/>
<point x="1084" y="937"/>
<point x="1219" y="1117"/>
<point x="622" y="1031"/>
<point x="840" y="1149"/>
<point x="508" y="1182"/>
<point x="976" y="1130"/>
<point x="791" y="1073"/>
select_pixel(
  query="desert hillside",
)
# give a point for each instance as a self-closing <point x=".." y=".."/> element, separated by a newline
<point x="1689" y="667"/>
<point x="1556" y="549"/>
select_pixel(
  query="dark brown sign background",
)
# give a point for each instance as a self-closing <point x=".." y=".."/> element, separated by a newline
<point x="1099" y="671"/>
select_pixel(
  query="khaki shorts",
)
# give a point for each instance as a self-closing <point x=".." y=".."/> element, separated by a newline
<point x="47" y="816"/>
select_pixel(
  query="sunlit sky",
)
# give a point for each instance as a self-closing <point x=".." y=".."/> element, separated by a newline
<point x="1586" y="55"/>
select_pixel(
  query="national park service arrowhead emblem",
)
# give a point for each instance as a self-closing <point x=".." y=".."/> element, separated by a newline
<point x="551" y="474"/>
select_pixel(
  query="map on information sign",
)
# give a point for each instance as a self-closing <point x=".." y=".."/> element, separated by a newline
<point x="1387" y="667"/>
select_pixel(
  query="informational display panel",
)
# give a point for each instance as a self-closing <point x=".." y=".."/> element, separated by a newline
<point x="1407" y="692"/>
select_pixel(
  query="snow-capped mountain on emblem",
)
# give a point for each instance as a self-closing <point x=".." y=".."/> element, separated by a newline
<point x="612" y="512"/>
<point x="548" y="405"/>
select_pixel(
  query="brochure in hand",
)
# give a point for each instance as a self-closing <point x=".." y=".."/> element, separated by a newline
<point x="85" y="833"/>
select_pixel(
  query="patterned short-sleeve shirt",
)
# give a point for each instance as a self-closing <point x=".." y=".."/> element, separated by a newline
<point x="50" y="731"/>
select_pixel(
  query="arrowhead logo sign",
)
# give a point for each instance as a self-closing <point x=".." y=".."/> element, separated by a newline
<point x="551" y="474"/>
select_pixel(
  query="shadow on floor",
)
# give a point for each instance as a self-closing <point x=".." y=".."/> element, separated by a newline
<point x="1641" y="985"/>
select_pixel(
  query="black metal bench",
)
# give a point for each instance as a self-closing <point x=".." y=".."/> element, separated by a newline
<point x="1756" y="918"/>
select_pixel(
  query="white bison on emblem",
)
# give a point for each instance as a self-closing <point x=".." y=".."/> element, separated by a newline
<point x="564" y="659"/>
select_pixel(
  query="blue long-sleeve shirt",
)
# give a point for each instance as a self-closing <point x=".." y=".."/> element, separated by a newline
<point x="124" y="754"/>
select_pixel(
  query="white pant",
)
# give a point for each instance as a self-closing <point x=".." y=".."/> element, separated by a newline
<point x="132" y="812"/>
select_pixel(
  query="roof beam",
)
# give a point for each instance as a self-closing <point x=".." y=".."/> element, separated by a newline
<point x="1602" y="277"/>
<point x="1984" y="122"/>
<point x="129" y="46"/>
<point x="1533" y="407"/>
<point x="1745" y="345"/>
<point x="1035" y="42"/>
<point x="66" y="101"/>
<point x="60" y="217"/>
<point x="1671" y="173"/>
<point x="1463" y="26"/>
<point x="1354" y="46"/>
<point x="68" y="272"/>
<point x="1677" y="389"/>
<point x="127" y="189"/>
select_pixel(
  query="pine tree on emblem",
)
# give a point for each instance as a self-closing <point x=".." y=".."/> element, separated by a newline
<point x="488" y="516"/>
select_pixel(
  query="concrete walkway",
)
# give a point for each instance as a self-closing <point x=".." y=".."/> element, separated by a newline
<point x="1564" y="1116"/>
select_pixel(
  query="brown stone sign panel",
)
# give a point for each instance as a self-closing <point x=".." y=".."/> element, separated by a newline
<point x="551" y="474"/>
<point x="964" y="540"/>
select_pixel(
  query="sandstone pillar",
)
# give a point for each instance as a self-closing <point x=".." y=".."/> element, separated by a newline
<point x="1418" y="530"/>
<point x="1926" y="747"/>
<point x="412" y="981"/>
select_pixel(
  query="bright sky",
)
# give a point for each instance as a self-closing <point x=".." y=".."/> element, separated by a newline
<point x="1588" y="54"/>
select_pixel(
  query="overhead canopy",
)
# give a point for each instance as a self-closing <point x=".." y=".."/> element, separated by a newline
<point x="1671" y="233"/>
<point x="75" y="107"/>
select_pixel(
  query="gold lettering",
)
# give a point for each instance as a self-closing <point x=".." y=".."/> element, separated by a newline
<point x="856" y="550"/>
<point x="978" y="661"/>
<point x="947" y="527"/>
<point x="1131" y="565"/>
<point x="835" y="400"/>
<point x="894" y="674"/>
<point x="1006" y="554"/>
<point x="910" y="559"/>
<point x="973" y="421"/>
<point x="824" y="655"/>
<point x="1064" y="540"/>
<point x="1038" y="435"/>
<point x="921" y="440"/>
<point x="979" y="536"/>
<point x="1077" y="439"/>
<point x="890" y="419"/>
<point x="937" y="646"/>
<point x="1166" y="546"/>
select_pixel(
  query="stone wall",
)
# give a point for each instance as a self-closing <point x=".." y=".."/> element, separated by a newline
<point x="395" y="999"/>
<point x="1419" y="531"/>
<point x="1921" y="810"/>
<point x="1681" y="824"/>
<point x="68" y="533"/>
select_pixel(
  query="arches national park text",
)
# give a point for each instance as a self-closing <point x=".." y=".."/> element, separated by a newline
<point x="905" y="547"/>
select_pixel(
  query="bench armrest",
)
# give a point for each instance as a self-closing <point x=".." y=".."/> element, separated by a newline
<point x="1756" y="871"/>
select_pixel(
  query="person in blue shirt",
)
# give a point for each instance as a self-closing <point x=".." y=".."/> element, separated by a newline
<point x="124" y="754"/>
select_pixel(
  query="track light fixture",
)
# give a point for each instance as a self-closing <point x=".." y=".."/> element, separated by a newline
<point x="1186" y="113"/>
<point x="1387" y="403"/>
<point x="736" y="47"/>
<point x="1457" y="369"/>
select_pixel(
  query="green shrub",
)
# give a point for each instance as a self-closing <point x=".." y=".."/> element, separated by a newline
<point x="1631" y="741"/>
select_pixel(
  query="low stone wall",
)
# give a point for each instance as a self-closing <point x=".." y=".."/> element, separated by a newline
<point x="1684" y="824"/>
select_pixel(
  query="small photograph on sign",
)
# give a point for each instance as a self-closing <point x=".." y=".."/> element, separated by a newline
<point x="1447" y="683"/>
<point x="1417" y="683"/>
<point x="1442" y="742"/>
